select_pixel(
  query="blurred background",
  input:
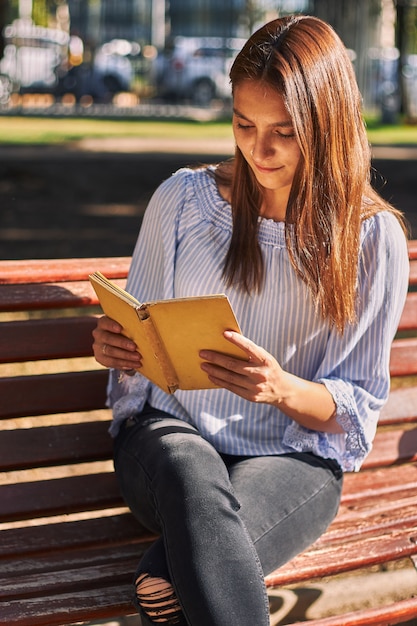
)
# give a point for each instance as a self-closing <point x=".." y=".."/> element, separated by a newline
<point x="101" y="100"/>
<point x="75" y="54"/>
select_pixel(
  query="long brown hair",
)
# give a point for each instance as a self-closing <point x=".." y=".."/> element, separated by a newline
<point x="305" y="61"/>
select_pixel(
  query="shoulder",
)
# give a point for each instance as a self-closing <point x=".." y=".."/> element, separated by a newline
<point x="188" y="177"/>
<point x="190" y="196"/>
<point x="384" y="251"/>
<point x="383" y="232"/>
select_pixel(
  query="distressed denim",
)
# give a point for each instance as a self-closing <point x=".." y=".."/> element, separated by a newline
<point x="224" y="521"/>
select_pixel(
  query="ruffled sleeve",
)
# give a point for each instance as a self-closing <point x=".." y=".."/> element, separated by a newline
<point x="356" y="366"/>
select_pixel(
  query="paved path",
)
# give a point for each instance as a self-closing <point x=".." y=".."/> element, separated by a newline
<point x="87" y="198"/>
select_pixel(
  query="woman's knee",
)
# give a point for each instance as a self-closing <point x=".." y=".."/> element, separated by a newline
<point x="156" y="598"/>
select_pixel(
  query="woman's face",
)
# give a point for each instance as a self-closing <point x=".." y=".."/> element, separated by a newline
<point x="264" y="134"/>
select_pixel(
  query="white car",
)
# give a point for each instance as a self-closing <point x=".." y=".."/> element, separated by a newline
<point x="196" y="69"/>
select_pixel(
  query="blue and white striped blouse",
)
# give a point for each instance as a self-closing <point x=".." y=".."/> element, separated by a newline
<point x="180" y="252"/>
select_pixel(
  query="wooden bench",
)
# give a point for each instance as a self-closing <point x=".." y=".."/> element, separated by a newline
<point x="68" y="545"/>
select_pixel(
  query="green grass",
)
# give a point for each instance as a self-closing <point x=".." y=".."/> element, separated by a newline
<point x="24" y="130"/>
<point x="43" y="130"/>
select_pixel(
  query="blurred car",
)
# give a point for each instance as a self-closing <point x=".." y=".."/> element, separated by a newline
<point x="110" y="73"/>
<point x="32" y="57"/>
<point x="196" y="69"/>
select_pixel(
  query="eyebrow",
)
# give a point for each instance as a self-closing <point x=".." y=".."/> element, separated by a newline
<point x="284" y="124"/>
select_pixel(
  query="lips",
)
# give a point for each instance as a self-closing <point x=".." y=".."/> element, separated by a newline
<point x="267" y="170"/>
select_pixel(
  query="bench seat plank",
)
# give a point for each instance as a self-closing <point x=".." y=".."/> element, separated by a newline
<point x="371" y="485"/>
<point x="395" y="613"/>
<point x="98" y="491"/>
<point x="63" y="572"/>
<point x="392" y="446"/>
<point x="35" y="541"/>
<point x="59" y="496"/>
<point x="58" y="610"/>
<point x="329" y="559"/>
<point x="82" y="572"/>
<point x="91" y="568"/>
<point x="22" y="396"/>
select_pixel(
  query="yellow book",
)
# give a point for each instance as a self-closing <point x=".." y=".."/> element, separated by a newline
<point x="169" y="334"/>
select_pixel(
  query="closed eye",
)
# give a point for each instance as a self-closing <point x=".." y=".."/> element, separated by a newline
<point x="285" y="135"/>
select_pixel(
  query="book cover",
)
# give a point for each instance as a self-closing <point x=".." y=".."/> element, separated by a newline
<point x="170" y="333"/>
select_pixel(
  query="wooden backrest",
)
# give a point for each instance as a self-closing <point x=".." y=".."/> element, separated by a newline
<point x="52" y="393"/>
<point x="53" y="417"/>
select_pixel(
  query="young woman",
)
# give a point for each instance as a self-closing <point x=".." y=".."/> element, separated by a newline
<point x="239" y="479"/>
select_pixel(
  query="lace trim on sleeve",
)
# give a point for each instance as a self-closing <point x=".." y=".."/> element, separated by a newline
<point x="126" y="395"/>
<point x="357" y="443"/>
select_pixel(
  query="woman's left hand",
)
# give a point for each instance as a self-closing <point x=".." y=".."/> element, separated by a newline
<point x="259" y="379"/>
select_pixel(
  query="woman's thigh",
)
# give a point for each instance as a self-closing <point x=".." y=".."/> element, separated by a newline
<point x="163" y="465"/>
<point x="286" y="502"/>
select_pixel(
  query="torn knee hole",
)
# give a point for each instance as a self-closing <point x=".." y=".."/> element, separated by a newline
<point x="157" y="598"/>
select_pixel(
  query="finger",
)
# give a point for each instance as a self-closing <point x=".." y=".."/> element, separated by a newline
<point x="105" y="337"/>
<point x="108" y="324"/>
<point x="117" y="356"/>
<point x="225" y="379"/>
<point x="256" y="354"/>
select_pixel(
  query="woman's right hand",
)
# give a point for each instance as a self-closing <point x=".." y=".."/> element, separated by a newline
<point x="112" y="349"/>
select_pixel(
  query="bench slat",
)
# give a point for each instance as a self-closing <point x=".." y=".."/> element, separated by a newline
<point x="60" y="573"/>
<point x="58" y="610"/>
<point x="400" y="407"/>
<point x="362" y="520"/>
<point x="59" y="496"/>
<point x="392" y="446"/>
<point x="371" y="485"/>
<point x="31" y="340"/>
<point x="46" y="296"/>
<point x="22" y="396"/>
<point x="413" y="272"/>
<point x="408" y="319"/>
<point x="71" y="443"/>
<point x="331" y="559"/>
<point x="395" y="613"/>
<point x="61" y="270"/>
<point x="82" y="391"/>
<point x="55" y="445"/>
<point x="106" y="531"/>
<point x="403" y="361"/>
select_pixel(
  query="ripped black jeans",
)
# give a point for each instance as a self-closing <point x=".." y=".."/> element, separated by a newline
<point x="224" y="521"/>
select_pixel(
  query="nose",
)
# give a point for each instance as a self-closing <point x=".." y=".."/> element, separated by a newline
<point x="262" y="149"/>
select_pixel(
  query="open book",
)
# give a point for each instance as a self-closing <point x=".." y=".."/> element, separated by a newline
<point x="170" y="333"/>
